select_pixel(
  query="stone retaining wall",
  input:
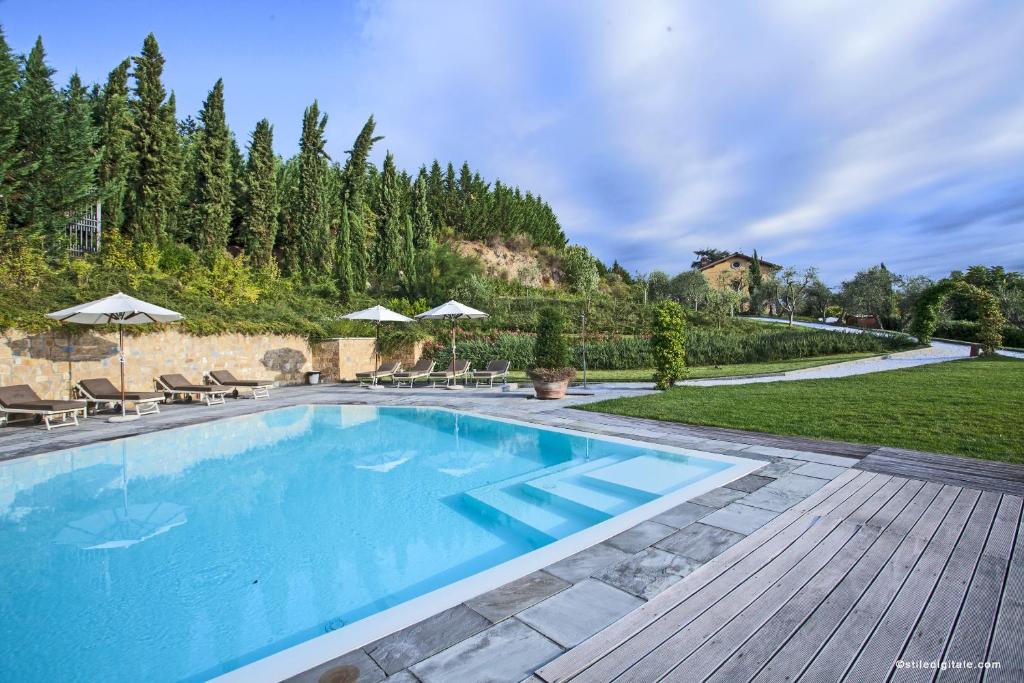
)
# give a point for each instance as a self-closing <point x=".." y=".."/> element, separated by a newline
<point x="51" y="362"/>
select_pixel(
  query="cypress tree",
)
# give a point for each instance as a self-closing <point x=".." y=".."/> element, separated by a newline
<point x="343" y="258"/>
<point x="314" y="244"/>
<point x="39" y="129"/>
<point x="387" y="253"/>
<point x="116" y="159"/>
<point x="10" y="116"/>
<point x="354" y="184"/>
<point x="260" y="206"/>
<point x="423" y="223"/>
<point x="76" y="154"/>
<point x="212" y="199"/>
<point x="435" y="195"/>
<point x="410" y="253"/>
<point x="154" y="183"/>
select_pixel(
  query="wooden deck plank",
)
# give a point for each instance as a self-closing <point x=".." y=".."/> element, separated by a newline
<point x="930" y="506"/>
<point x="822" y="539"/>
<point x="900" y="512"/>
<point x="845" y="645"/>
<point x="593" y="649"/>
<point x="1007" y="645"/>
<point x="973" y="630"/>
<point x="722" y="647"/>
<point x="986" y="475"/>
<point x="928" y="638"/>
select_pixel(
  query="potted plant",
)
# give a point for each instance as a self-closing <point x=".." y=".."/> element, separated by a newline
<point x="551" y="371"/>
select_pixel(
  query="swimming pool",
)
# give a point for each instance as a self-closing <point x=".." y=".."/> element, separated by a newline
<point x="184" y="554"/>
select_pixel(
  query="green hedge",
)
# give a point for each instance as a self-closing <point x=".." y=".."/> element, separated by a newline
<point x="967" y="330"/>
<point x="704" y="346"/>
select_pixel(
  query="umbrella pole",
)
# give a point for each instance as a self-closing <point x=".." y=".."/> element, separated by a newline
<point x="376" y="343"/>
<point x="455" y="378"/>
<point x="120" y="357"/>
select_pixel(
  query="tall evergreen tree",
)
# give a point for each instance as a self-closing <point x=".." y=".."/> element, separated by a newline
<point x="343" y="258"/>
<point x="11" y="157"/>
<point x="354" y="190"/>
<point x="387" y="254"/>
<point x="39" y="128"/>
<point x="117" y="158"/>
<point x="212" y="199"/>
<point x="260" y="205"/>
<point x="315" y="252"/>
<point x="409" y="253"/>
<point x="423" y="222"/>
<point x="76" y="154"/>
<point x="154" y="183"/>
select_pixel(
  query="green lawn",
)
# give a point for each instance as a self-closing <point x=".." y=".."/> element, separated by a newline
<point x="709" y="371"/>
<point x="971" y="407"/>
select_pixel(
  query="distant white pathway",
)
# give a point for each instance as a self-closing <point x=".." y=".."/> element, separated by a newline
<point x="938" y="352"/>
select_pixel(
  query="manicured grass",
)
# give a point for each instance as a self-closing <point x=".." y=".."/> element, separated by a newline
<point x="969" y="407"/>
<point x="709" y="371"/>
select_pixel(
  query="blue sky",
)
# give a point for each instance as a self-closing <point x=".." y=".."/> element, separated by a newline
<point x="834" y="134"/>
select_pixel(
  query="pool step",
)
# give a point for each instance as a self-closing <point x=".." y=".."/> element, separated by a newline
<point x="646" y="474"/>
<point x="567" y="488"/>
<point x="526" y="516"/>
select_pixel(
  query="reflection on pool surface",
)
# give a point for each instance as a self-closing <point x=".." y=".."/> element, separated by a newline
<point x="183" y="554"/>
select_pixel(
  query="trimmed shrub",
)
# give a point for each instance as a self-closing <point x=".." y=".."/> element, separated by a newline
<point x="668" y="344"/>
<point x="968" y="330"/>
<point x="550" y="350"/>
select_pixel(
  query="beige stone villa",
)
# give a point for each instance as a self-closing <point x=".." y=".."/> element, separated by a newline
<point x="731" y="271"/>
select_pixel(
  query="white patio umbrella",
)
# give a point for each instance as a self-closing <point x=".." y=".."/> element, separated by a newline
<point x="118" y="309"/>
<point x="377" y="315"/>
<point x="452" y="311"/>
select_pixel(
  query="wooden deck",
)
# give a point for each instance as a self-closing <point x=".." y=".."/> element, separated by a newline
<point x="872" y="569"/>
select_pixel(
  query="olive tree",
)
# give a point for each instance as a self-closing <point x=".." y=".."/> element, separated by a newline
<point x="792" y="289"/>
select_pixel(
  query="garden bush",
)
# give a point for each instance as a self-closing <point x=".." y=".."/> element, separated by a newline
<point x="967" y="330"/>
<point x="740" y="343"/>
<point x="668" y="344"/>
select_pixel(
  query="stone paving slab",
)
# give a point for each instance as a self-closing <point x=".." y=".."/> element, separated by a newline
<point x="819" y="470"/>
<point x="579" y="612"/>
<point x="784" y="492"/>
<point x="516" y="596"/>
<point x="740" y="518"/>
<point x="580" y="566"/>
<point x="356" y="666"/>
<point x="410" y="645"/>
<point x="682" y="515"/>
<point x="699" y="541"/>
<point x="641" y="536"/>
<point x="400" y="677"/>
<point x="718" y="498"/>
<point x="648" y="572"/>
<point x="781" y="467"/>
<point x="509" y="651"/>
<point x="750" y="483"/>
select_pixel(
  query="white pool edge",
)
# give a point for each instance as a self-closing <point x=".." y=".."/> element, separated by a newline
<point x="316" y="651"/>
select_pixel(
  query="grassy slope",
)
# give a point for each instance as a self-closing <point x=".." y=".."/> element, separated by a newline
<point x="970" y="407"/>
<point x="709" y="371"/>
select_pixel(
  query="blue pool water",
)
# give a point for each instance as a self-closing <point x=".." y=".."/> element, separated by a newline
<point x="187" y="553"/>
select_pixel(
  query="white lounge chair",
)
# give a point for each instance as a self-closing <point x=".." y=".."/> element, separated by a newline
<point x="20" y="399"/>
<point x="371" y="377"/>
<point x="101" y="392"/>
<point x="422" y="369"/>
<point x="178" y="385"/>
<point x="260" y="388"/>
<point x="496" y="369"/>
<point x="450" y="376"/>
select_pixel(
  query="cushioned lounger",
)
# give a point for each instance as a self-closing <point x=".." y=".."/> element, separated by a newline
<point x="260" y="388"/>
<point x="20" y="399"/>
<point x="175" y="385"/>
<point x="407" y="378"/>
<point x="101" y="391"/>
<point x="451" y="375"/>
<point x="370" y="378"/>
<point x="496" y="369"/>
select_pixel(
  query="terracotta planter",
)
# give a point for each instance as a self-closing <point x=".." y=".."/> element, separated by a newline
<point x="550" y="390"/>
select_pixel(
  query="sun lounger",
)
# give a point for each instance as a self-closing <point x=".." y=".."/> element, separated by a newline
<point x="496" y="369"/>
<point x="102" y="392"/>
<point x="370" y="378"/>
<point x="20" y="399"/>
<point x="451" y="375"/>
<point x="407" y="378"/>
<point x="178" y="385"/>
<point x="260" y="388"/>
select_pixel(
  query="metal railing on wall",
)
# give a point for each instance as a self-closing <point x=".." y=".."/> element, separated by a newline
<point x="86" y="232"/>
